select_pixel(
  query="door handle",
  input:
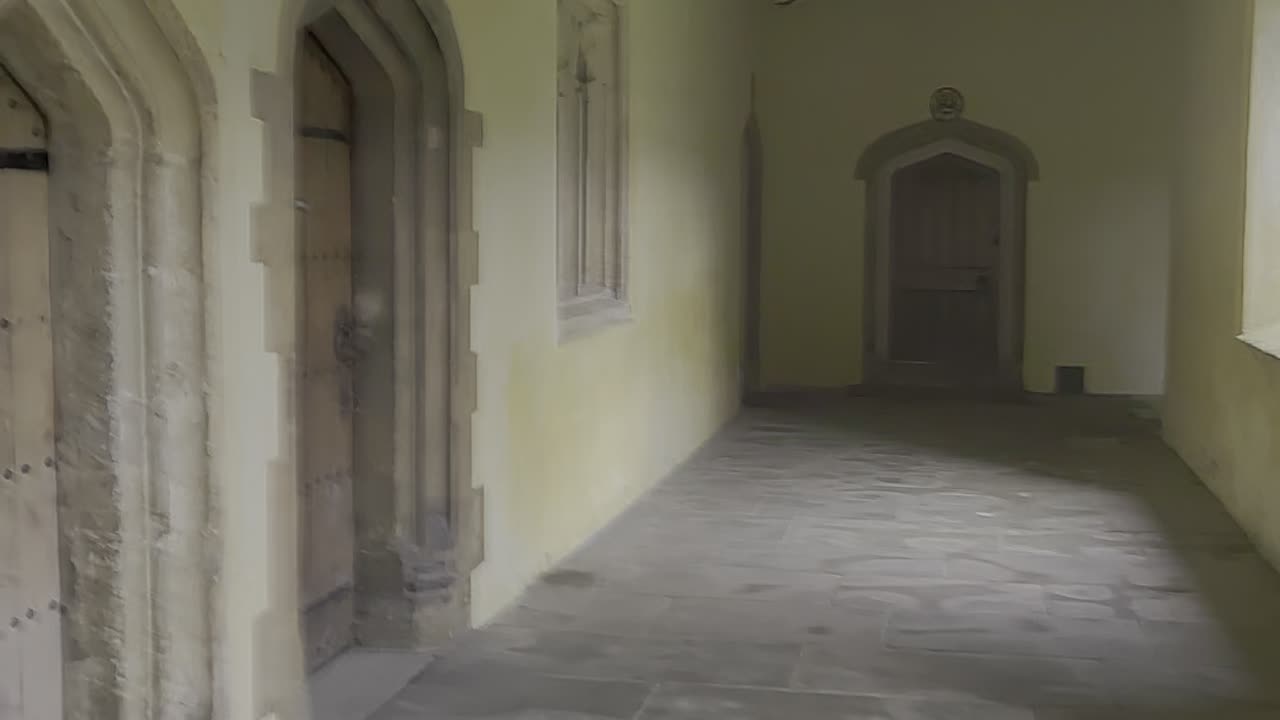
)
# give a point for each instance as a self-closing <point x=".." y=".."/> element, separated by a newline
<point x="983" y="282"/>
<point x="346" y="351"/>
<point x="344" y="337"/>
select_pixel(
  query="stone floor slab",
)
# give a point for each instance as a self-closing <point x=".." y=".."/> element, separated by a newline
<point x="648" y="658"/>
<point x="895" y="559"/>
<point x="493" y="692"/>
<point x="358" y="682"/>
<point x="859" y="666"/>
<point x="696" y="702"/>
<point x="1009" y="634"/>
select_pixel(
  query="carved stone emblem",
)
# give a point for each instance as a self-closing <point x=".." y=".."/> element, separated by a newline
<point x="946" y="104"/>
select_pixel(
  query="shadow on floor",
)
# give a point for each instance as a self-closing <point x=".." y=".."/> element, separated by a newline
<point x="356" y="683"/>
<point x="899" y="559"/>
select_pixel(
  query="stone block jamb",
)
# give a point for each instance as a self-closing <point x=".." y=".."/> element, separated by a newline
<point x="127" y="99"/>
<point x="435" y="512"/>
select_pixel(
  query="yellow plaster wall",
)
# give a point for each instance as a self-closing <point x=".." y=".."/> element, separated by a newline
<point x="1223" y="402"/>
<point x="566" y="435"/>
<point x="1083" y="83"/>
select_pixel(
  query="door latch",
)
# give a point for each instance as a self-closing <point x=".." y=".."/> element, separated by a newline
<point x="344" y="337"/>
<point x="346" y="351"/>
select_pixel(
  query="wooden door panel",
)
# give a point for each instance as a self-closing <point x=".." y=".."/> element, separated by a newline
<point x="945" y="219"/>
<point x="31" y="351"/>
<point x="10" y="495"/>
<point x="327" y="420"/>
<point x="326" y="381"/>
<point x="327" y="523"/>
<point x="10" y="650"/>
<point x="940" y="279"/>
<point x="30" y="585"/>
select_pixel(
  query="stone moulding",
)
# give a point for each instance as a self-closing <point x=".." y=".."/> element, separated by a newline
<point x="127" y="99"/>
<point x="984" y="145"/>
<point x="435" y="513"/>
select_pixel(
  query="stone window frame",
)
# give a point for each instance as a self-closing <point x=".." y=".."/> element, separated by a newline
<point x="584" y="307"/>
<point x="1260" y="260"/>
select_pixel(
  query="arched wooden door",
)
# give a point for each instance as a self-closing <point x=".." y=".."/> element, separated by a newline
<point x="326" y="394"/>
<point x="945" y="224"/>
<point x="30" y="592"/>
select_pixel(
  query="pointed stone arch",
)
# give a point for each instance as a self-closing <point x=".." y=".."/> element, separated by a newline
<point x="921" y="134"/>
<point x="419" y="518"/>
<point x="124" y="113"/>
<point x="986" y="146"/>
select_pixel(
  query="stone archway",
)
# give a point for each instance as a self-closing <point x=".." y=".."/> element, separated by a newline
<point x="912" y="146"/>
<point x="417" y="516"/>
<point x="126" y="322"/>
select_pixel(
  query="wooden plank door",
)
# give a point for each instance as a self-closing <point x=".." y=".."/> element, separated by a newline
<point x="327" y="522"/>
<point x="945" y="227"/>
<point x="30" y="591"/>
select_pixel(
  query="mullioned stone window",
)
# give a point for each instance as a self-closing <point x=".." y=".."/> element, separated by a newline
<point x="591" y="166"/>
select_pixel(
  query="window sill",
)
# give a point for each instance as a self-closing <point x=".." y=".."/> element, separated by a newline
<point x="1265" y="340"/>
<point x="582" y="317"/>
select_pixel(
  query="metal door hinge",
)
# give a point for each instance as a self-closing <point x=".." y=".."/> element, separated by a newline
<point x="321" y="133"/>
<point x="24" y="159"/>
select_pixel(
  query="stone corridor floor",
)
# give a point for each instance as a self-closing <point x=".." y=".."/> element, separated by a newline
<point x="898" y="559"/>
